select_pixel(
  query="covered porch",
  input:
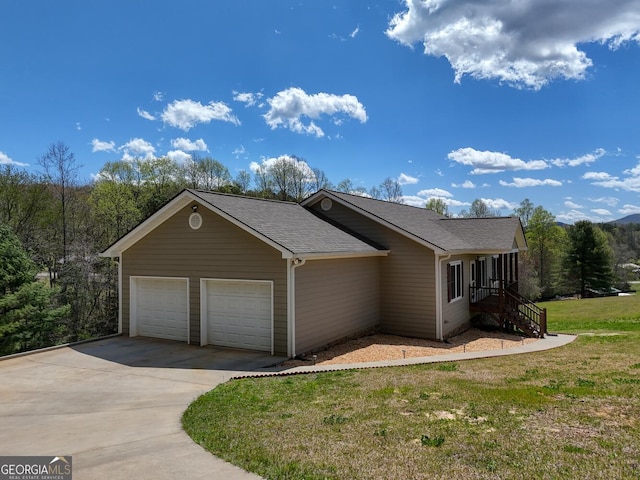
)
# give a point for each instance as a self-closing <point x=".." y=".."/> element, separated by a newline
<point x="498" y="296"/>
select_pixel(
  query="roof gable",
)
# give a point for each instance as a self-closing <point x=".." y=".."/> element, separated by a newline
<point x="287" y="227"/>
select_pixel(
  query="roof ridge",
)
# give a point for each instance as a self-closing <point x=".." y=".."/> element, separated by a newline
<point x="235" y="195"/>
<point x="479" y="218"/>
<point x="377" y="199"/>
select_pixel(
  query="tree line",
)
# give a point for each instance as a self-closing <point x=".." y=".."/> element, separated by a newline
<point x="583" y="258"/>
<point x="54" y="288"/>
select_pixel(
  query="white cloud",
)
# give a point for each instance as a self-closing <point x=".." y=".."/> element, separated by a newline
<point x="455" y="203"/>
<point x="598" y="176"/>
<point x="414" y="201"/>
<point x="629" y="183"/>
<point x="628" y="209"/>
<point x="531" y="182"/>
<point x="435" y="192"/>
<point x="404" y="179"/>
<point x="100" y="146"/>
<point x="492" y="162"/>
<point x="238" y="151"/>
<point x="78" y="126"/>
<point x="355" y="32"/>
<point x="137" y="148"/>
<point x="289" y="106"/>
<point x="301" y="165"/>
<point x="499" y="204"/>
<point x="186" y="114"/>
<point x="571" y="216"/>
<point x="610" y="201"/>
<point x="634" y="172"/>
<point x="603" y="212"/>
<point x="188" y="145"/>
<point x="158" y="96"/>
<point x="527" y="43"/>
<point x="7" y="160"/>
<point x="249" y="99"/>
<point x="466" y="184"/>
<point x="144" y="114"/>
<point x="420" y="200"/>
<point x="587" y="159"/>
<point x="572" y="205"/>
<point x="178" y="156"/>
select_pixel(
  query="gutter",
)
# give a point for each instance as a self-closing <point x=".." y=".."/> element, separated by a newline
<point x="336" y="255"/>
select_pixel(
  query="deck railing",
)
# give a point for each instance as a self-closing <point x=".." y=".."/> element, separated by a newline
<point x="508" y="303"/>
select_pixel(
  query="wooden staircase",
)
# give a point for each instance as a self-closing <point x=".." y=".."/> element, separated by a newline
<point x="509" y="308"/>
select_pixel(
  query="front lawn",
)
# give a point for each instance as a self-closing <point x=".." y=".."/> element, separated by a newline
<point x="573" y="412"/>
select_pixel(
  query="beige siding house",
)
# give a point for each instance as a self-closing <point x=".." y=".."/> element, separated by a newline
<point x="288" y="278"/>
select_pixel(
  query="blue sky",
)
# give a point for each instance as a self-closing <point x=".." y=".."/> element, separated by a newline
<point x="460" y="100"/>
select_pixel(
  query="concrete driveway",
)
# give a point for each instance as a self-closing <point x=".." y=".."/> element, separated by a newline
<point x="114" y="405"/>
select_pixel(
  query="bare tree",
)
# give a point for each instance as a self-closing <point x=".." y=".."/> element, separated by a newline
<point x="243" y="180"/>
<point x="191" y="172"/>
<point x="21" y="200"/>
<point x="479" y="209"/>
<point x="345" y="186"/>
<point x="61" y="172"/>
<point x="320" y="180"/>
<point x="213" y="174"/>
<point x="263" y="182"/>
<point x="391" y="190"/>
<point x="286" y="178"/>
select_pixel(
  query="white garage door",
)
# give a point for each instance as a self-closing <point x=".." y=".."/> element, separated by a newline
<point x="160" y="308"/>
<point x="239" y="313"/>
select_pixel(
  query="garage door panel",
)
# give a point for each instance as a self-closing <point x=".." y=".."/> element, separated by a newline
<point x="239" y="314"/>
<point x="161" y="308"/>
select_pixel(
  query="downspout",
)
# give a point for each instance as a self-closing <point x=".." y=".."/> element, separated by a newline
<point x="439" y="315"/>
<point x="292" y="264"/>
<point x="119" y="260"/>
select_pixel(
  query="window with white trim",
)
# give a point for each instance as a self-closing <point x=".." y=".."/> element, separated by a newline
<point x="454" y="281"/>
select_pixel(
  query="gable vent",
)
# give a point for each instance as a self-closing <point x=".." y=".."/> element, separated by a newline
<point x="195" y="221"/>
<point x="326" y="204"/>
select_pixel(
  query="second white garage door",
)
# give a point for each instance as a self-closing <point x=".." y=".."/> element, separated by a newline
<point x="239" y="313"/>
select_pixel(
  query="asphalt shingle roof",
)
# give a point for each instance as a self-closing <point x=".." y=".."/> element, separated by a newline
<point x="448" y="234"/>
<point x="287" y="224"/>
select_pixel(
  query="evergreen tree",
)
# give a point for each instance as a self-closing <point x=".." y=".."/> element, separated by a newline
<point x="588" y="260"/>
<point x="29" y="315"/>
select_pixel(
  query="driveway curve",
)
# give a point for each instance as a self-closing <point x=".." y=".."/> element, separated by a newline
<point x="115" y="406"/>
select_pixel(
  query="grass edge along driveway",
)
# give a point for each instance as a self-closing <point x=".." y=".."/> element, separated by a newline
<point x="571" y="412"/>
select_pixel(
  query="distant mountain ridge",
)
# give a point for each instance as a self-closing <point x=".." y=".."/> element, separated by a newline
<point x="634" y="218"/>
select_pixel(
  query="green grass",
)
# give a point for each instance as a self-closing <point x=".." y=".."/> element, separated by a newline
<point x="572" y="412"/>
<point x="594" y="315"/>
